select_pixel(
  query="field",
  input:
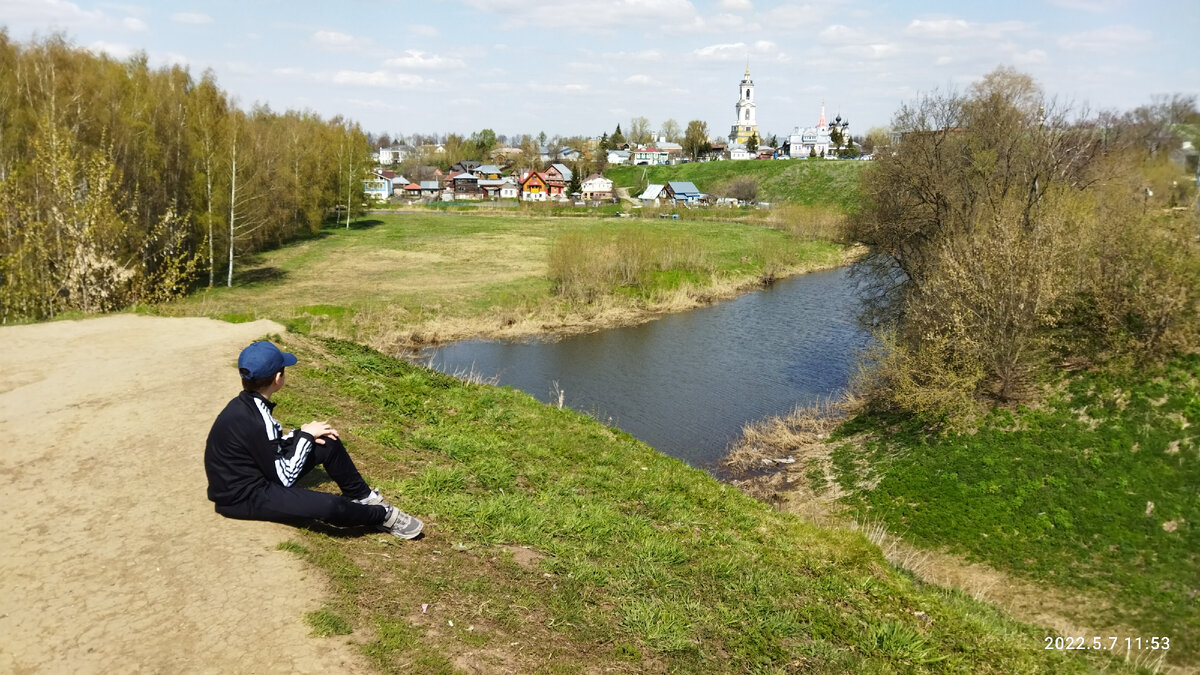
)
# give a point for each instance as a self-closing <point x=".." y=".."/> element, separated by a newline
<point x="1094" y="490"/>
<point x="408" y="279"/>
<point x="555" y="544"/>
<point x="810" y="182"/>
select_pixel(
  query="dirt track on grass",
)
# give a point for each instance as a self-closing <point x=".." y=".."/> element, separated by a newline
<point x="113" y="559"/>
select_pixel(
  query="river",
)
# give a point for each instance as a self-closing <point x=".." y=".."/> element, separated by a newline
<point x="686" y="383"/>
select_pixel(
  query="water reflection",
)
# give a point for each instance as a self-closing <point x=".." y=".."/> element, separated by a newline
<point x="685" y="384"/>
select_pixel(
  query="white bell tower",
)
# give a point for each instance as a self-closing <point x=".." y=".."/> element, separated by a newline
<point x="745" y="125"/>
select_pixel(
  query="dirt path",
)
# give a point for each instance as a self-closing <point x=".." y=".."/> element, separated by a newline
<point x="113" y="559"/>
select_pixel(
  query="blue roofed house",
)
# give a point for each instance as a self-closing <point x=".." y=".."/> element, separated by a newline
<point x="685" y="192"/>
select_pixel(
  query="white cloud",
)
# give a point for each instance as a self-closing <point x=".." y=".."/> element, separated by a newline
<point x="465" y="101"/>
<point x="374" y="104"/>
<point x="134" y="24"/>
<point x="423" y="30"/>
<point x="1029" y="57"/>
<point x="644" y="55"/>
<point x="52" y="12"/>
<point x="737" y="5"/>
<point x="875" y="51"/>
<point x="949" y="28"/>
<point x="416" y="59"/>
<point x="643" y="80"/>
<point x="739" y="51"/>
<point x="797" y="15"/>
<point x="379" y="78"/>
<point x="191" y="18"/>
<point x="339" y="41"/>
<point x="117" y="51"/>
<point x="1106" y="39"/>
<point x="571" y="88"/>
<point x="1090" y="5"/>
<point x="839" y="34"/>
<point x="590" y="16"/>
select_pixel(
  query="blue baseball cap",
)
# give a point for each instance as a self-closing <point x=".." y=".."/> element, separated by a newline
<point x="263" y="359"/>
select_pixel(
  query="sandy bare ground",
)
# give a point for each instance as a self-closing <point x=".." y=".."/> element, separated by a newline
<point x="113" y="559"/>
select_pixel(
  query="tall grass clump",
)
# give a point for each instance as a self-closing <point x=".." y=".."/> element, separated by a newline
<point x="586" y="265"/>
<point x="809" y="222"/>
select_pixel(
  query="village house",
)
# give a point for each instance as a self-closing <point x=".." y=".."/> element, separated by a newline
<point x="816" y="141"/>
<point x="542" y="186"/>
<point x="394" y="154"/>
<point x="596" y="188"/>
<point x="500" y="188"/>
<point x="430" y="188"/>
<point x="559" y="172"/>
<point x="683" y="192"/>
<point x="653" y="195"/>
<point x="618" y="156"/>
<point x="466" y="186"/>
<point x="412" y="191"/>
<point x="650" y="156"/>
<point x="467" y="166"/>
<point x="488" y="172"/>
<point x="377" y="186"/>
<point x="509" y="188"/>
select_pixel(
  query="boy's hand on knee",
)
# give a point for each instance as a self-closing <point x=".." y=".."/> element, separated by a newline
<point x="319" y="431"/>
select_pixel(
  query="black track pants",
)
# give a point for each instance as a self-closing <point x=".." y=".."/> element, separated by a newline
<point x="277" y="503"/>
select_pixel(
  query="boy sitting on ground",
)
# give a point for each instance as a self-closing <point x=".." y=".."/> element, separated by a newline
<point x="252" y="465"/>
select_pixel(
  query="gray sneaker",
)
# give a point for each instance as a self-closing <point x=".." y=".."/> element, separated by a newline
<point x="401" y="524"/>
<point x="373" y="499"/>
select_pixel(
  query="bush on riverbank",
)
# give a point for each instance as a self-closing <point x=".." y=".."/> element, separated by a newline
<point x="1006" y="237"/>
<point x="555" y="544"/>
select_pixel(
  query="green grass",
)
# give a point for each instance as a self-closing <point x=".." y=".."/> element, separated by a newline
<point x="812" y="182"/>
<point x="634" y="560"/>
<point x="1097" y="490"/>
<point x="453" y="275"/>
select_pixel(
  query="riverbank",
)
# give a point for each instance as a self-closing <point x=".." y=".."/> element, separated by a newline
<point x="1080" y="510"/>
<point x="399" y="283"/>
<point x="556" y="544"/>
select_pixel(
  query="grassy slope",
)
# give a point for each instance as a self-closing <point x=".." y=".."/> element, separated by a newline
<point x="634" y="561"/>
<point x="1096" y="490"/>
<point x="810" y="182"/>
<point x="406" y="273"/>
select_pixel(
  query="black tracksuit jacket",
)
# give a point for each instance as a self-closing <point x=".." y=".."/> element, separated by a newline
<point x="246" y="449"/>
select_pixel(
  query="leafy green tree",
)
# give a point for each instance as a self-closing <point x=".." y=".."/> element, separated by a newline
<point x="639" y="131"/>
<point x="618" y="139"/>
<point x="671" y="131"/>
<point x="484" y="142"/>
<point x="752" y="142"/>
<point x="695" y="139"/>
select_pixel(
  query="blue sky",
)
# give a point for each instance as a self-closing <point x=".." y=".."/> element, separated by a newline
<point x="575" y="67"/>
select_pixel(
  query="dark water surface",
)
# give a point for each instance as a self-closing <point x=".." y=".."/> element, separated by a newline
<point x="686" y="383"/>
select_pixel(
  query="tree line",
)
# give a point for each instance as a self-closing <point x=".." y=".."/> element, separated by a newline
<point x="1010" y="235"/>
<point x="121" y="183"/>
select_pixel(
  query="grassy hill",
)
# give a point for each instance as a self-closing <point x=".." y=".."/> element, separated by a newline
<point x="1092" y="490"/>
<point x="558" y="545"/>
<point x="812" y="182"/>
